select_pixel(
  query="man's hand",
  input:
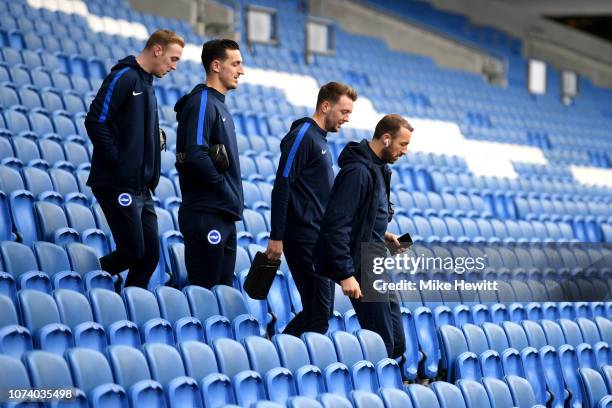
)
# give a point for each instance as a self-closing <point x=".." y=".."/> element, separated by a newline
<point x="392" y="238"/>
<point x="350" y="287"/>
<point x="274" y="250"/>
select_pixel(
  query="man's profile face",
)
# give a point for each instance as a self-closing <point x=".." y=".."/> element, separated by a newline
<point x="398" y="146"/>
<point x="230" y="69"/>
<point x="167" y="58"/>
<point x="338" y="113"/>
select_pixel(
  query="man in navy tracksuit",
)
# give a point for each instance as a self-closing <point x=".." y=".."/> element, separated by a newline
<point x="123" y="126"/>
<point x="301" y="189"/>
<point x="210" y="181"/>
<point x="357" y="213"/>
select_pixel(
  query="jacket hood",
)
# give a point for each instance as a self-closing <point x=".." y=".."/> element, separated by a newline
<point x="309" y="120"/>
<point x="180" y="104"/>
<point x="130" y="61"/>
<point x="356" y="152"/>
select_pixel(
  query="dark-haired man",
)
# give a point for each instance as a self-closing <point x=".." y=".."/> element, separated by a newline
<point x="358" y="212"/>
<point x="303" y="182"/>
<point x="123" y="126"/>
<point x="209" y="169"/>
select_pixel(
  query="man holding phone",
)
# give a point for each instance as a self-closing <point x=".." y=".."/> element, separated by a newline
<point x="358" y="212"/>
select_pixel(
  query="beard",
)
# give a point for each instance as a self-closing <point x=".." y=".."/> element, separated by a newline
<point x="387" y="155"/>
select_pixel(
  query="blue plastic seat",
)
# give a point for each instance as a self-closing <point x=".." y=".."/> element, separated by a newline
<point x="363" y="374"/>
<point x="232" y="305"/>
<point x="593" y="388"/>
<point x="14" y="338"/>
<point x="48" y="370"/>
<point x="534" y="372"/>
<point x="131" y="371"/>
<point x="264" y="359"/>
<point x="365" y="399"/>
<point x="41" y="316"/>
<point x="201" y="364"/>
<point x="92" y="374"/>
<point x="204" y="307"/>
<point x="422" y="397"/>
<point x="84" y="261"/>
<point x="498" y="392"/>
<point x="233" y="362"/>
<point x="323" y="355"/>
<point x="474" y="394"/>
<point x="375" y="351"/>
<point x="75" y="312"/>
<point x="294" y="356"/>
<point x="167" y="368"/>
<point x="448" y="395"/>
<point x="53" y="225"/>
<point x="19" y="260"/>
<point x="13" y="375"/>
<point x="39" y="183"/>
<point x="143" y="309"/>
<point x="83" y="222"/>
<point x="393" y="398"/>
<point x="426" y="333"/>
<point x="174" y="307"/>
<point x="453" y="345"/>
<point x="109" y="311"/>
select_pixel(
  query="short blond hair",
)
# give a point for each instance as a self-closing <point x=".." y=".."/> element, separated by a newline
<point x="164" y="38"/>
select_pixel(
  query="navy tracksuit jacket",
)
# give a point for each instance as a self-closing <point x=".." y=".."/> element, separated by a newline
<point x="349" y="221"/>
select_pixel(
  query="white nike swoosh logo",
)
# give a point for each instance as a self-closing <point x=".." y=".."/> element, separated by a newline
<point x="223" y="118"/>
<point x="323" y="151"/>
<point x="136" y="94"/>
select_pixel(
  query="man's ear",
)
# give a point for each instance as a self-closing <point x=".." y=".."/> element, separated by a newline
<point x="325" y="105"/>
<point x="216" y="66"/>
<point x="158" y="50"/>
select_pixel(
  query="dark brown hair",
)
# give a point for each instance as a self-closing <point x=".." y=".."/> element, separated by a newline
<point x="332" y="91"/>
<point x="391" y="124"/>
<point x="216" y="50"/>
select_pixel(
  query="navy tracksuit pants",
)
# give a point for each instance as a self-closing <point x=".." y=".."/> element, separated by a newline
<point x="316" y="292"/>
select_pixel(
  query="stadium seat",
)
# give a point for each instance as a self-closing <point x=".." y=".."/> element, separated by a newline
<point x="19" y="261"/>
<point x="593" y="388"/>
<point x="204" y="307"/>
<point x="474" y="394"/>
<point x="131" y="371"/>
<point x="263" y="357"/>
<point x="294" y="356"/>
<point x="109" y="311"/>
<point x="53" y="225"/>
<point x="201" y="364"/>
<point x="85" y="262"/>
<point x="232" y="305"/>
<point x="75" y="312"/>
<point x="233" y="362"/>
<point x="40" y="315"/>
<point x="92" y="374"/>
<point x="422" y="397"/>
<point x="14" y="338"/>
<point x="364" y="399"/>
<point x="167" y="368"/>
<point x="13" y="374"/>
<point x="48" y="370"/>
<point x="143" y="309"/>
<point x="448" y="395"/>
<point x="348" y="349"/>
<point x="174" y="308"/>
<point x="323" y="355"/>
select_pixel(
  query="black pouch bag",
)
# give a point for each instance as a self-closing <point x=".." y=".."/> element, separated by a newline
<point x="259" y="280"/>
